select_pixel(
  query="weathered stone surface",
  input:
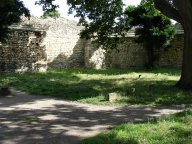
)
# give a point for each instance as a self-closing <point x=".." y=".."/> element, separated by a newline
<point x="41" y="44"/>
<point x="129" y="54"/>
<point x="172" y="57"/>
<point x="112" y="97"/>
<point x="23" y="51"/>
<point x="94" y="57"/>
<point x="64" y="48"/>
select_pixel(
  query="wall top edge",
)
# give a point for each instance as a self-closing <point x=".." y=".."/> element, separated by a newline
<point x="27" y="28"/>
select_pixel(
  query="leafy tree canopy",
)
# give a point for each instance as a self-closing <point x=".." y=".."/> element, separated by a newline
<point x="53" y="13"/>
<point x="107" y="21"/>
<point x="46" y="4"/>
<point x="10" y="12"/>
<point x="103" y="20"/>
<point x="151" y="27"/>
<point x="150" y="24"/>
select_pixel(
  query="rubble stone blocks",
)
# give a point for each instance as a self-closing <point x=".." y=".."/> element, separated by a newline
<point x="55" y="44"/>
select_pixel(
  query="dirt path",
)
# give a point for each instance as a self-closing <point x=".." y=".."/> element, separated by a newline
<point x="26" y="119"/>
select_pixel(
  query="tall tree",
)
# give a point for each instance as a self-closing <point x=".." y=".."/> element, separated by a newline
<point x="10" y="12"/>
<point x="107" y="14"/>
<point x="181" y="11"/>
<point x="152" y="28"/>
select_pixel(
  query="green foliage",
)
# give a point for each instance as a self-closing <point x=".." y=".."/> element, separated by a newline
<point x="106" y="22"/>
<point x="102" y="19"/>
<point x="4" y="83"/>
<point x="10" y="12"/>
<point x="171" y="129"/>
<point x="51" y="13"/>
<point x="151" y="26"/>
<point x="47" y="4"/>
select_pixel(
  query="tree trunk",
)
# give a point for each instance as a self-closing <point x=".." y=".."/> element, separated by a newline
<point x="185" y="9"/>
<point x="150" y="55"/>
<point x="185" y="81"/>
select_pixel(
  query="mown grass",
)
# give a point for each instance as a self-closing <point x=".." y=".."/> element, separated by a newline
<point x="172" y="129"/>
<point x="92" y="86"/>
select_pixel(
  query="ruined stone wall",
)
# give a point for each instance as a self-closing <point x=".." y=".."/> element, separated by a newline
<point x="64" y="48"/>
<point x="130" y="54"/>
<point x="41" y="44"/>
<point x="172" y="57"/>
<point x="95" y="57"/>
<point x="24" y="50"/>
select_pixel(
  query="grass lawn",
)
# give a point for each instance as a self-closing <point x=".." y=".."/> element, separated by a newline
<point x="172" y="129"/>
<point x="92" y="86"/>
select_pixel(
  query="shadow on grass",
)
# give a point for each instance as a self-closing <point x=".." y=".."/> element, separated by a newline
<point x="156" y="92"/>
<point x="69" y="85"/>
<point x="31" y="119"/>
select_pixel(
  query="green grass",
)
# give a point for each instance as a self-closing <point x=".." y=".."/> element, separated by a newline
<point x="92" y="86"/>
<point x="172" y="129"/>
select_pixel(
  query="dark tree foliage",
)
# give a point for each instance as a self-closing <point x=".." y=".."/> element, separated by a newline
<point x="53" y="13"/>
<point x="10" y="12"/>
<point x="102" y="19"/>
<point x="47" y="4"/>
<point x="107" y="23"/>
<point x="152" y="28"/>
<point x="179" y="10"/>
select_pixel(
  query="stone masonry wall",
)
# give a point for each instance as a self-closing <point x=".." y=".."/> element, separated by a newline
<point x="172" y="57"/>
<point x="64" y="48"/>
<point x="130" y="54"/>
<point x="41" y="44"/>
<point x="24" y="50"/>
<point x="94" y="57"/>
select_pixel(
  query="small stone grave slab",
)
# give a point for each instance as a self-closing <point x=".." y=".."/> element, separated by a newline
<point x="112" y="97"/>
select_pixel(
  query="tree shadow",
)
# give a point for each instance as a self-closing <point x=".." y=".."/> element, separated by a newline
<point x="69" y="85"/>
<point x="67" y="61"/>
<point x="32" y="119"/>
<point x="177" y="131"/>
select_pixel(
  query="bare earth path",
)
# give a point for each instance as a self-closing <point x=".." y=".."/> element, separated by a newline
<point x="26" y="119"/>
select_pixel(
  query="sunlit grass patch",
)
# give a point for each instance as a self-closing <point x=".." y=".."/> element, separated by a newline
<point x="172" y="129"/>
<point x="92" y="86"/>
